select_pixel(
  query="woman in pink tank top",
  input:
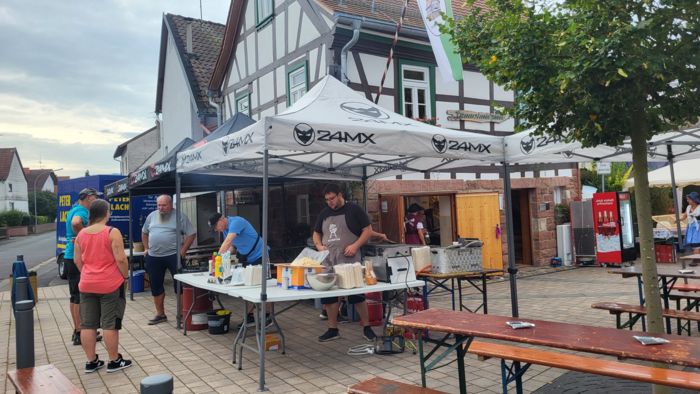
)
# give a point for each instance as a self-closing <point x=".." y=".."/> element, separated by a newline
<point x="99" y="255"/>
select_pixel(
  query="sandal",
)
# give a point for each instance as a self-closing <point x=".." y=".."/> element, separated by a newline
<point x="157" y="320"/>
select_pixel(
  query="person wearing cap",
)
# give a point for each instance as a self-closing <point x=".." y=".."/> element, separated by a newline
<point x="415" y="229"/>
<point x="159" y="237"/>
<point x="240" y="238"/>
<point x="76" y="220"/>
<point x="692" y="213"/>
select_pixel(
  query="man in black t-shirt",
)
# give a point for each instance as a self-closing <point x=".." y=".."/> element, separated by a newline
<point x="342" y="228"/>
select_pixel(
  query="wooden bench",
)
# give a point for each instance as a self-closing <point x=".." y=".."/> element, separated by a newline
<point x="685" y="287"/>
<point x="615" y="369"/>
<point x="43" y="379"/>
<point x="635" y="312"/>
<point x="377" y="385"/>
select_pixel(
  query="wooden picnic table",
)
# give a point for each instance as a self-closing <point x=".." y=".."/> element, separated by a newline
<point x="668" y="276"/>
<point x="477" y="279"/>
<point x="464" y="327"/>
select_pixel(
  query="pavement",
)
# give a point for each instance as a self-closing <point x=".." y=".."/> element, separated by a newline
<point x="201" y="363"/>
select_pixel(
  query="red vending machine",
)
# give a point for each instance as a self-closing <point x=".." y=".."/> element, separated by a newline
<point x="612" y="218"/>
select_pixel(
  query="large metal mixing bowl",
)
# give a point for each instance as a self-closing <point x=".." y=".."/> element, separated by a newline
<point x="321" y="281"/>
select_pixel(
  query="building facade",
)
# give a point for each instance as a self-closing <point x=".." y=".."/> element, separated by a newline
<point x="13" y="182"/>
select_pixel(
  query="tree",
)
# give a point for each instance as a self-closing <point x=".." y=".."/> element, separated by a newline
<point x="45" y="204"/>
<point x="615" y="181"/>
<point x="597" y="72"/>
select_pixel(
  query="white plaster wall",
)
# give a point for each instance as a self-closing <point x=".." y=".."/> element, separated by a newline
<point x="264" y="45"/>
<point x="293" y="20"/>
<point x="48" y="185"/>
<point x="476" y="85"/>
<point x="441" y="108"/>
<point x="502" y="95"/>
<point x="267" y="88"/>
<point x="450" y="87"/>
<point x="19" y="195"/>
<point x="179" y="111"/>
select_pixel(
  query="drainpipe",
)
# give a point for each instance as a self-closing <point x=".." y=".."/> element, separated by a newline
<point x="356" y="24"/>
<point x="213" y="97"/>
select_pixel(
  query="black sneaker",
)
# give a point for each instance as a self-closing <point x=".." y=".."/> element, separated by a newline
<point x="75" y="338"/>
<point x="323" y="315"/>
<point x="343" y="319"/>
<point x="157" y="320"/>
<point x="330" y="335"/>
<point x="368" y="334"/>
<point x="118" y="364"/>
<point x="92" y="366"/>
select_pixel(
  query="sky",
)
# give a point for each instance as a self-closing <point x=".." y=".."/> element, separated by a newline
<point x="78" y="77"/>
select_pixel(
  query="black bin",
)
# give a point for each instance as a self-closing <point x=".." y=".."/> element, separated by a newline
<point x="218" y="321"/>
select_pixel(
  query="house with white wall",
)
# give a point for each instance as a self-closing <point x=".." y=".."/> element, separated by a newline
<point x="41" y="180"/>
<point x="13" y="182"/>
<point x="275" y="50"/>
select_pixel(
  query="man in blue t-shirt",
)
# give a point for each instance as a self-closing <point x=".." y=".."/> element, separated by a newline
<point x="240" y="234"/>
<point x="76" y="220"/>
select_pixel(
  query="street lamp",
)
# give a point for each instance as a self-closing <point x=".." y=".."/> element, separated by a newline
<point x="35" y="219"/>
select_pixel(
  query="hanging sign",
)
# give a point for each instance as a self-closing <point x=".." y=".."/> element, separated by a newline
<point x="603" y="168"/>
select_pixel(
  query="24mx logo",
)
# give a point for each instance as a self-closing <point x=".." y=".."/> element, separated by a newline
<point x="442" y="145"/>
<point x="529" y="142"/>
<point x="237" y="141"/>
<point x="305" y="135"/>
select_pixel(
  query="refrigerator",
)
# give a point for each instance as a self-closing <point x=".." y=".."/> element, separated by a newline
<point x="614" y="234"/>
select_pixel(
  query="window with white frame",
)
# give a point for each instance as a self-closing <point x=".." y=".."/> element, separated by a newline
<point x="303" y="208"/>
<point x="558" y="191"/>
<point x="296" y="83"/>
<point x="264" y="10"/>
<point x="243" y="104"/>
<point x="415" y="81"/>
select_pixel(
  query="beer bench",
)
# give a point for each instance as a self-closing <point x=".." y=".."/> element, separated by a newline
<point x="615" y="369"/>
<point x="43" y="379"/>
<point x="685" y="287"/>
<point x="635" y="312"/>
<point x="377" y="385"/>
<point x="692" y="301"/>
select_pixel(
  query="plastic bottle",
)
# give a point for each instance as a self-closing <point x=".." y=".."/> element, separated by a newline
<point x="217" y="267"/>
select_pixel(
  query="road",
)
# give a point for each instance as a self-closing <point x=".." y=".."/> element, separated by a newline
<point x="39" y="254"/>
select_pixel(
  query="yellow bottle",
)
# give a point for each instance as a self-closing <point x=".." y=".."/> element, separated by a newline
<point x="217" y="267"/>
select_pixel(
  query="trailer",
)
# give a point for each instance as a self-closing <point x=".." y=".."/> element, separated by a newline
<point x="67" y="196"/>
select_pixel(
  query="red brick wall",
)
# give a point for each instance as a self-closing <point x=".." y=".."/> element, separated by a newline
<point x="541" y="192"/>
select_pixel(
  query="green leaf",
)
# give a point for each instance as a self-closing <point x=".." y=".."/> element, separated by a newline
<point x="622" y="72"/>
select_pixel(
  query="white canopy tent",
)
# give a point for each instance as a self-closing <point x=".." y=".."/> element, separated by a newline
<point x="686" y="173"/>
<point x="333" y="132"/>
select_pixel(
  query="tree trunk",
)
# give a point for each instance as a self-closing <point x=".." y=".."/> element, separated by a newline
<point x="646" y="238"/>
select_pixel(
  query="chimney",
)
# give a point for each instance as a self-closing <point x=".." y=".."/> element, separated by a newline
<point x="26" y="171"/>
<point x="189" y="38"/>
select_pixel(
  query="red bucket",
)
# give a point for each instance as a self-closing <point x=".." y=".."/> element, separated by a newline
<point x="197" y="319"/>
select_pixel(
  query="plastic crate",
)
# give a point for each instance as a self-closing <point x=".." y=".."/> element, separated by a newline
<point x="456" y="259"/>
<point x="664" y="253"/>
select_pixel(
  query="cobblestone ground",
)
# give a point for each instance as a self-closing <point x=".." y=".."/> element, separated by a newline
<point x="201" y="363"/>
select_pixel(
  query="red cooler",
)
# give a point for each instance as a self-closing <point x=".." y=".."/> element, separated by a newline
<point x="612" y="218"/>
<point x="199" y="300"/>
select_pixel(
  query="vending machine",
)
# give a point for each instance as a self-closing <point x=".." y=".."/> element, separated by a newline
<point x="612" y="218"/>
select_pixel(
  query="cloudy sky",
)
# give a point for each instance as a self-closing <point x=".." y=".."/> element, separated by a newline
<point x="78" y="77"/>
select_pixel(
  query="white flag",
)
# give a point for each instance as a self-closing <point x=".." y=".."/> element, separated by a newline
<point x="448" y="60"/>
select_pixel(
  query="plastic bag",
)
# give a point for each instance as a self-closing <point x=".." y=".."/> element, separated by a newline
<point x="319" y="256"/>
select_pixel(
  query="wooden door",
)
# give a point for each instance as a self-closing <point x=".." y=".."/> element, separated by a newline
<point x="391" y="215"/>
<point x="477" y="217"/>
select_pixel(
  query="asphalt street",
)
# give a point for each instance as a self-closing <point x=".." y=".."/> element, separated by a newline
<point x="39" y="255"/>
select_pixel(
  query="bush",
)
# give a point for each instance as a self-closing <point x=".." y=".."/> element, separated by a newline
<point x="27" y="220"/>
<point x="562" y="214"/>
<point x="13" y="218"/>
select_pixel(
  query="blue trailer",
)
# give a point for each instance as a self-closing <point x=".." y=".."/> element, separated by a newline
<point x="119" y="216"/>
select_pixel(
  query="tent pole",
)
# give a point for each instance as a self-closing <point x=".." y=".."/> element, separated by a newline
<point x="131" y="251"/>
<point x="679" y="236"/>
<point x="512" y="269"/>
<point x="364" y="187"/>
<point x="265" y="268"/>
<point x="178" y="242"/>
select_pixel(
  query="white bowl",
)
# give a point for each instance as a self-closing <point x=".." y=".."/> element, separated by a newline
<point x="321" y="281"/>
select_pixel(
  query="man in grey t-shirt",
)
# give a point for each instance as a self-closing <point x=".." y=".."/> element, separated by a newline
<point x="159" y="236"/>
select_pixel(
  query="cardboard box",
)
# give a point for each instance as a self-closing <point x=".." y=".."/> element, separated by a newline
<point x="296" y="275"/>
<point x="272" y="342"/>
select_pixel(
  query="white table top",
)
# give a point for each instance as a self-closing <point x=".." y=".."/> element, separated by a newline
<point x="277" y="294"/>
<point x="135" y="254"/>
<point x="199" y="279"/>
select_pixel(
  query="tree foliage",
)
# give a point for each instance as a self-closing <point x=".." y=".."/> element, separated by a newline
<point x="614" y="182"/>
<point x="590" y="70"/>
<point x="45" y="204"/>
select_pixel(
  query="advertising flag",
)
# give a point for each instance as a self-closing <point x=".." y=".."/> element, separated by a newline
<point x="448" y="60"/>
